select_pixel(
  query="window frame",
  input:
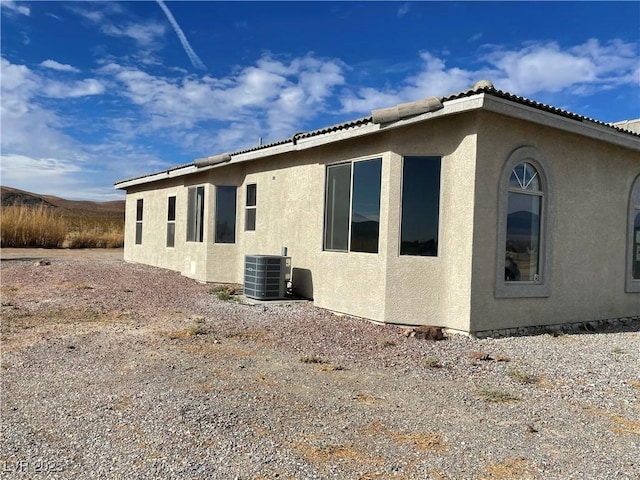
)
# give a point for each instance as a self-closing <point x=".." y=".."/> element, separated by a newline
<point x="195" y="216"/>
<point x="216" y="239"/>
<point x="171" y="222"/>
<point x="632" y="285"/>
<point x="139" y="220"/>
<point x="251" y="209"/>
<point x="402" y="206"/>
<point x="351" y="164"/>
<point x="542" y="286"/>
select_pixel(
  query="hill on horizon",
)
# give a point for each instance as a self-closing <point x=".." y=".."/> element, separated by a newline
<point x="77" y="208"/>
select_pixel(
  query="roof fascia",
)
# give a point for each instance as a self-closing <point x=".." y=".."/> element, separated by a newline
<point x="451" y="107"/>
<point x="460" y="105"/>
<point x="589" y="129"/>
<point x="156" y="177"/>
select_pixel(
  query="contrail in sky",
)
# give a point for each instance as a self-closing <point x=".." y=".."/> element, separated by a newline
<point x="195" y="60"/>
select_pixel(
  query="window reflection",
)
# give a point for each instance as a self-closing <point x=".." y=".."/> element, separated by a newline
<point x="336" y="230"/>
<point x="365" y="208"/>
<point x="225" y="214"/>
<point x="420" y="206"/>
<point x="524" y="209"/>
<point x="523" y="237"/>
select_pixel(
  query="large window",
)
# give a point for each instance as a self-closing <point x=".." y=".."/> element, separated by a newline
<point x="420" y="206"/>
<point x="225" y="214"/>
<point x="522" y="267"/>
<point x="195" y="214"/>
<point x="250" y="208"/>
<point x="633" y="263"/>
<point x="352" y="206"/>
<point x="171" y="221"/>
<point x="139" y="212"/>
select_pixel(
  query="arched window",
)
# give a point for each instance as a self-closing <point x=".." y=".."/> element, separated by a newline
<point x="524" y="209"/>
<point x="524" y="204"/>
<point x="633" y="262"/>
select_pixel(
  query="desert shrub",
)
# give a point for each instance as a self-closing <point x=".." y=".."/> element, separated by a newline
<point x="22" y="226"/>
<point x="94" y="232"/>
<point x="494" y="395"/>
<point x="521" y="375"/>
<point x="95" y="239"/>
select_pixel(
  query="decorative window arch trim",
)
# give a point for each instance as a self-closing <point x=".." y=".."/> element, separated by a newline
<point x="541" y="287"/>
<point x="632" y="284"/>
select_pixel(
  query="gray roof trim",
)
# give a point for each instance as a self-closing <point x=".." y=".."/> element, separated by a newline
<point x="483" y="97"/>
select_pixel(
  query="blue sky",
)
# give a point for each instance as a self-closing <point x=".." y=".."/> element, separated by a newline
<point x="96" y="92"/>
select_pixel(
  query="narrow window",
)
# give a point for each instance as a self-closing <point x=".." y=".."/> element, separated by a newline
<point x="633" y="269"/>
<point x="524" y="211"/>
<point x="195" y="214"/>
<point x="420" y="206"/>
<point x="139" y="208"/>
<point x="352" y="206"/>
<point x="250" y="210"/>
<point x="171" y="222"/>
<point x="225" y="214"/>
<point x="365" y="206"/>
<point x="336" y="232"/>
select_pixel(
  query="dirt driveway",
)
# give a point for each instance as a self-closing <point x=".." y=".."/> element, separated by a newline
<point x="61" y="254"/>
<point x="117" y="371"/>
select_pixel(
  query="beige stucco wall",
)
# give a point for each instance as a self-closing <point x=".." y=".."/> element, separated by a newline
<point x="435" y="290"/>
<point x="587" y="232"/>
<point x="189" y="258"/>
<point x="456" y="289"/>
<point x="290" y="213"/>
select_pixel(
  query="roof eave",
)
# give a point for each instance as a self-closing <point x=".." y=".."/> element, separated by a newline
<point x="475" y="101"/>
<point x="451" y="107"/>
<point x="585" y="128"/>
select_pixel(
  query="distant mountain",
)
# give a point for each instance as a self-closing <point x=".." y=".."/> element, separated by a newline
<point x="78" y="208"/>
<point x="523" y="223"/>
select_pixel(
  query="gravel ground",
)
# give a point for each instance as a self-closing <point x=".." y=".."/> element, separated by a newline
<point x="118" y="371"/>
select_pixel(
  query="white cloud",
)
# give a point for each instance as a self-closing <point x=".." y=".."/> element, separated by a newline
<point x="145" y="34"/>
<point x="58" y="66"/>
<point x="81" y="88"/>
<point x="37" y="154"/>
<point x="278" y="94"/>
<point x="108" y="16"/>
<point x="534" y="68"/>
<point x="52" y="176"/>
<point x="13" y="7"/>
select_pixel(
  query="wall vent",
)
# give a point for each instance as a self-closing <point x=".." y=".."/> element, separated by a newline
<point x="265" y="276"/>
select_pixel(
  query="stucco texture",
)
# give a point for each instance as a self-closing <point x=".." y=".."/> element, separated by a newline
<point x="587" y="227"/>
<point x="457" y="289"/>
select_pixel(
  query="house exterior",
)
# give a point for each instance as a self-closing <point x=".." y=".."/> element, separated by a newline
<point x="482" y="212"/>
